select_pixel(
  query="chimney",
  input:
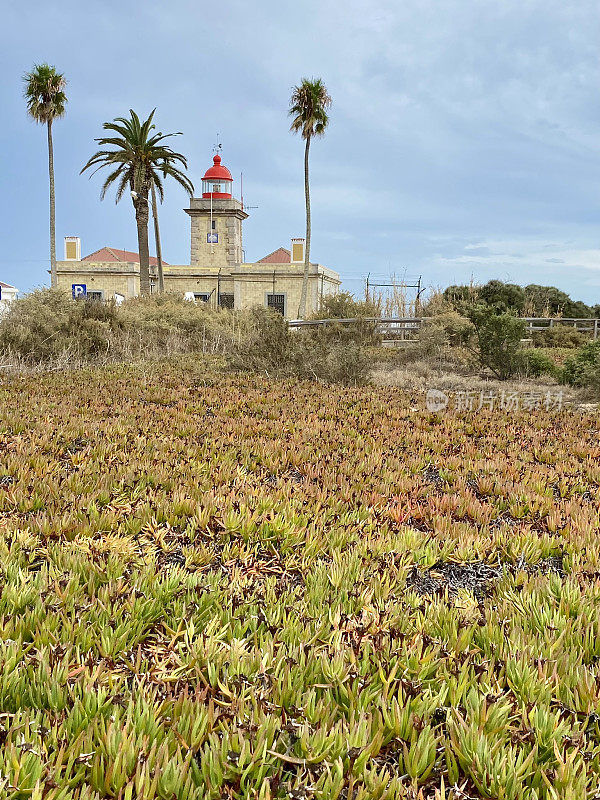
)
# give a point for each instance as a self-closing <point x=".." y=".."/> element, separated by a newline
<point x="72" y="248"/>
<point x="298" y="251"/>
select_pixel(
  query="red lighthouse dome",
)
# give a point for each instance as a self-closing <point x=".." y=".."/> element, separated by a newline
<point x="217" y="181"/>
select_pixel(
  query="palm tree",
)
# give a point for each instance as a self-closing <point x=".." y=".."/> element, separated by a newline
<point x="46" y="100"/>
<point x="159" y="264"/>
<point x="139" y="160"/>
<point x="308" y="107"/>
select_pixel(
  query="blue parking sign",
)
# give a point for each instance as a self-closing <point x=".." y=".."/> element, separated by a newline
<point x="79" y="290"/>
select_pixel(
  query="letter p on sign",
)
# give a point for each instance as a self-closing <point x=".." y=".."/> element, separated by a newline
<point x="79" y="290"/>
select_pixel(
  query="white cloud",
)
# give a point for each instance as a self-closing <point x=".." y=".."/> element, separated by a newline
<point x="462" y="138"/>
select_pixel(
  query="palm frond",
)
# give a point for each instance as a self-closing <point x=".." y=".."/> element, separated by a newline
<point x="110" y="180"/>
<point x="44" y="93"/>
<point x="308" y="108"/>
<point x="123" y="184"/>
<point x="159" y="186"/>
<point x="141" y="154"/>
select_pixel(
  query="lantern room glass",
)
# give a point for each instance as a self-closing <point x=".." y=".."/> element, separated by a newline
<point x="216" y="186"/>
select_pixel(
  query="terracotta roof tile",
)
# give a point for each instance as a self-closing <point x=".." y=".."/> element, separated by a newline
<point x="6" y="285"/>
<point x="113" y="254"/>
<point x="279" y="256"/>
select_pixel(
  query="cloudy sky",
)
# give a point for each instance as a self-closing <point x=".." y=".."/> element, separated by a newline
<point x="463" y="140"/>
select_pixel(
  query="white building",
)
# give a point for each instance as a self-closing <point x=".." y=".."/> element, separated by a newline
<point x="8" y="293"/>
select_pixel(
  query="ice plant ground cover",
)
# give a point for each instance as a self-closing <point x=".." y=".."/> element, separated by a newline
<point x="218" y="585"/>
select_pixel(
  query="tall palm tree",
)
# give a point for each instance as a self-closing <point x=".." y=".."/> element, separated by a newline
<point x="159" y="264"/>
<point x="139" y="160"/>
<point x="308" y="108"/>
<point x="46" y="100"/>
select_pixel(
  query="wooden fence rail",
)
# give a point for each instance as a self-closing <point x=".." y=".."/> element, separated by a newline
<point x="406" y="328"/>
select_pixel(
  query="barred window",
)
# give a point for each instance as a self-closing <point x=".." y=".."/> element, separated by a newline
<point x="226" y="301"/>
<point x="276" y="302"/>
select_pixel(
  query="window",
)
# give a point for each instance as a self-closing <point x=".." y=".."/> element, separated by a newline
<point x="276" y="302"/>
<point x="226" y="301"/>
<point x="213" y="224"/>
<point x="203" y="296"/>
<point x="222" y="187"/>
<point x="95" y="295"/>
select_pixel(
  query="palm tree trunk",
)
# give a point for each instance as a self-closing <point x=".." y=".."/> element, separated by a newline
<point x="53" y="281"/>
<point x="141" y="218"/>
<point x="161" y="280"/>
<point x="302" y="308"/>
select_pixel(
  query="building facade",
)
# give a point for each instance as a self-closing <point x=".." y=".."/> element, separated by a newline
<point x="8" y="293"/>
<point x="217" y="273"/>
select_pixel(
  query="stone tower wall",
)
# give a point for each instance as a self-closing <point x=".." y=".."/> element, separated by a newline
<point x="228" y="216"/>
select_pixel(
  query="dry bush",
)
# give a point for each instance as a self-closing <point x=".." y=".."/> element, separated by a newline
<point x="344" y="305"/>
<point x="169" y="325"/>
<point x="424" y="374"/>
<point x="447" y="329"/>
<point x="559" y="336"/>
<point x="442" y="340"/>
<point x="436" y="303"/>
<point x="393" y="301"/>
<point x="48" y="324"/>
<point x="49" y="327"/>
<point x="324" y="353"/>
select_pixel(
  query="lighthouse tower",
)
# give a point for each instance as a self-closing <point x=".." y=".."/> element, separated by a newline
<point x="216" y="220"/>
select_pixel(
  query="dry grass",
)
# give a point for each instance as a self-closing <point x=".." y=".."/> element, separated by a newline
<point x="421" y="375"/>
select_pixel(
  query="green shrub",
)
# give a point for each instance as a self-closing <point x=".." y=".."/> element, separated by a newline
<point x="559" y="336"/>
<point x="462" y="298"/>
<point x="449" y="329"/>
<point x="499" y="339"/>
<point x="532" y="363"/>
<point x="533" y="300"/>
<point x="548" y="301"/>
<point x="504" y="297"/>
<point x="583" y="367"/>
